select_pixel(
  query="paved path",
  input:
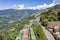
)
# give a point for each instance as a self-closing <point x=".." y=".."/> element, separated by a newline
<point x="47" y="33"/>
<point x="25" y="32"/>
<point x="26" y="29"/>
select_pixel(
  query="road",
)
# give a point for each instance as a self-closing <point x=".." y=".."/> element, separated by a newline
<point x="25" y="31"/>
<point x="47" y="33"/>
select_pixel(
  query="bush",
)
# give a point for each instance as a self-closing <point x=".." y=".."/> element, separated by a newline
<point x="39" y="32"/>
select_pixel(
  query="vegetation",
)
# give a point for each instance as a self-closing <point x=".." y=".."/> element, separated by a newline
<point x="39" y="32"/>
<point x="10" y="33"/>
<point x="10" y="17"/>
<point x="51" y="15"/>
<point x="12" y="21"/>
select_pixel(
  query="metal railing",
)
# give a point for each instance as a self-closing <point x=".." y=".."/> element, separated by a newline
<point x="32" y="34"/>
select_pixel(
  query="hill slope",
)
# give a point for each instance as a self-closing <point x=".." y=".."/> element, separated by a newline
<point x="12" y="15"/>
<point x="52" y="14"/>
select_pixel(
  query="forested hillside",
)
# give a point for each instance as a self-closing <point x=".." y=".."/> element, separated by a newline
<point x="11" y="32"/>
<point x="12" y="21"/>
<point x="52" y="14"/>
<point x="9" y="16"/>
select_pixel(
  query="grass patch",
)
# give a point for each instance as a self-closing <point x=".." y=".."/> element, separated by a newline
<point x="39" y="32"/>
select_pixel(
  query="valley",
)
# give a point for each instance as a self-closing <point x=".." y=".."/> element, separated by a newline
<point x="30" y="24"/>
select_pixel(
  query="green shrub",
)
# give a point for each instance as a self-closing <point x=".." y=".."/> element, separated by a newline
<point x="39" y="32"/>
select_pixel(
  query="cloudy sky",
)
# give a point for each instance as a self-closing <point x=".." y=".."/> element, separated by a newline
<point x="27" y="4"/>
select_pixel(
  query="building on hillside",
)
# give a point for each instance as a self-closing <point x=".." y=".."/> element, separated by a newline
<point x="54" y="27"/>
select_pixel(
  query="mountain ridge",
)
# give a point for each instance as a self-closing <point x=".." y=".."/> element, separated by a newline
<point x="12" y="15"/>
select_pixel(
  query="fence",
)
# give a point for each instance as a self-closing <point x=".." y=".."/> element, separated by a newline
<point x="32" y="34"/>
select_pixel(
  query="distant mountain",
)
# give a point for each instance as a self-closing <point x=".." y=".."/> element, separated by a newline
<point x="12" y="15"/>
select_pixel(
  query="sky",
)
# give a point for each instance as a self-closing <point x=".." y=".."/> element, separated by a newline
<point x="27" y="4"/>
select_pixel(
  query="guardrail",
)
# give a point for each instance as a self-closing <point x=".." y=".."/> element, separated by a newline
<point x="32" y="34"/>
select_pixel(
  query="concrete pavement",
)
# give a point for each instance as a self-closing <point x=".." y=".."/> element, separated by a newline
<point x="25" y="32"/>
<point x="47" y="33"/>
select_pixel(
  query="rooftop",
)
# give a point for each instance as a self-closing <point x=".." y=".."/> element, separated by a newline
<point x="53" y="24"/>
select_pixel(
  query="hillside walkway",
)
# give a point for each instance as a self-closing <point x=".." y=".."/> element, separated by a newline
<point x="47" y="33"/>
<point x="25" y="32"/>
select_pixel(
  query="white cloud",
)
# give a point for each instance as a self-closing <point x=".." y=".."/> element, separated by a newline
<point x="56" y="1"/>
<point x="43" y="6"/>
<point x="20" y="6"/>
<point x="39" y="7"/>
